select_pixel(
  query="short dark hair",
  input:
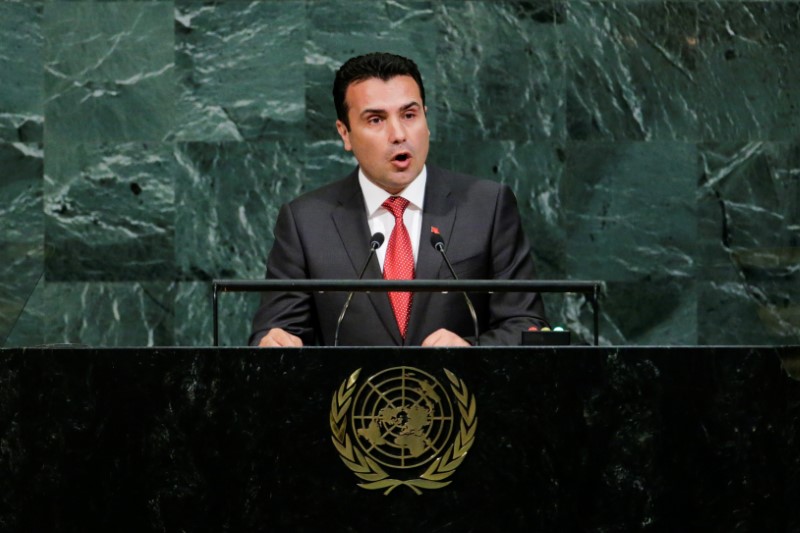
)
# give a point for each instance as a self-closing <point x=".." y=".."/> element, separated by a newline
<point x="375" y="65"/>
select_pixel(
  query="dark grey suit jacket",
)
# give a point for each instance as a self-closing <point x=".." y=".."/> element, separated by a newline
<point x="324" y="235"/>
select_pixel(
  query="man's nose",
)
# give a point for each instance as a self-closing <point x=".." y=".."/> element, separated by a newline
<point x="397" y="131"/>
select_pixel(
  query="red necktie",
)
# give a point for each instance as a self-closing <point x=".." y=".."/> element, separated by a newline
<point x="399" y="261"/>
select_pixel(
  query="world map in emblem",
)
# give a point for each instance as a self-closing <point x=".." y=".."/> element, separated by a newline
<point x="402" y="417"/>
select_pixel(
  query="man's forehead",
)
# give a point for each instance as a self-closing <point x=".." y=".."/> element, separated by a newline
<point x="398" y="91"/>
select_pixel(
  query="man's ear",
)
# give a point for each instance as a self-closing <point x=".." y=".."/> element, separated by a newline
<point x="344" y="134"/>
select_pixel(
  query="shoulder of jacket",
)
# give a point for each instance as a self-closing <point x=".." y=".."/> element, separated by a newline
<point x="327" y="194"/>
<point x="465" y="182"/>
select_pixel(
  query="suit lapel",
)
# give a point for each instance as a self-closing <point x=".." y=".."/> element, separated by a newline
<point x="439" y="212"/>
<point x="351" y="224"/>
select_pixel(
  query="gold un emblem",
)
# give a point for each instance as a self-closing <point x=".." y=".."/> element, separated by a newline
<point x="400" y="427"/>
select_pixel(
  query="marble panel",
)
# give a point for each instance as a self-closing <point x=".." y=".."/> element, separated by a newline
<point x="22" y="229"/>
<point x="110" y="212"/>
<point x="194" y="317"/>
<point x="105" y="1"/>
<point x="500" y="71"/>
<point x="28" y="330"/>
<point x="534" y="172"/>
<point x="325" y="162"/>
<point x="574" y="313"/>
<point x="228" y="197"/>
<point x="749" y="212"/>
<point x="507" y="83"/>
<point x="110" y="314"/>
<point x="338" y="31"/>
<point x="632" y="70"/>
<point x="22" y="81"/>
<point x="240" y="67"/>
<point x="652" y="312"/>
<point x="749" y="313"/>
<point x="749" y="82"/>
<point x="629" y="210"/>
<point x="109" y="71"/>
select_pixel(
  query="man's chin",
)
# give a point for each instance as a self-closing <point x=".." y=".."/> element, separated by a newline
<point x="394" y="181"/>
<point x="401" y="180"/>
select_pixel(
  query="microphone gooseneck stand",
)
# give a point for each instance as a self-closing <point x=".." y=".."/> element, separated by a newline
<point x="375" y="242"/>
<point x="438" y="242"/>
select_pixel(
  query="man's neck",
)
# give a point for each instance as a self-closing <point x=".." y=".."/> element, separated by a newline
<point x="374" y="196"/>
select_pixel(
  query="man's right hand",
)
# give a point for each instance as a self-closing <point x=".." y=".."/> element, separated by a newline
<point x="277" y="337"/>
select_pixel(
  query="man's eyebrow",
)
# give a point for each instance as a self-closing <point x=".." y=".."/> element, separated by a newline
<point x="373" y="112"/>
<point x="378" y="111"/>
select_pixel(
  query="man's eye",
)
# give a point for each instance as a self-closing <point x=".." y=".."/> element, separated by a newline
<point x="410" y="115"/>
<point x="374" y="120"/>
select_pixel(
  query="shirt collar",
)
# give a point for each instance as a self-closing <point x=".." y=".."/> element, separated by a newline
<point x="374" y="196"/>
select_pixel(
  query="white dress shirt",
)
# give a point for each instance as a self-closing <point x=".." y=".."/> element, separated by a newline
<point x="380" y="219"/>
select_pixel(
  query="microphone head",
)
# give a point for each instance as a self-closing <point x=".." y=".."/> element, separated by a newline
<point x="437" y="241"/>
<point x="376" y="241"/>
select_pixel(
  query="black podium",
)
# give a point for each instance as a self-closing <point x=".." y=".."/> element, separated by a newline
<point x="556" y="439"/>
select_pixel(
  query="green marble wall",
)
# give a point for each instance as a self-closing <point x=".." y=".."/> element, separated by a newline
<point x="145" y="148"/>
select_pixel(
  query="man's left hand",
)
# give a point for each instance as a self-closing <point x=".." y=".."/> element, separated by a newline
<point x="444" y="337"/>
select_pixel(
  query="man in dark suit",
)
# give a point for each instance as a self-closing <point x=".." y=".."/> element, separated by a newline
<point x="325" y="234"/>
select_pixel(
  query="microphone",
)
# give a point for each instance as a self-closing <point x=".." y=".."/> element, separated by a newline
<point x="375" y="242"/>
<point x="437" y="241"/>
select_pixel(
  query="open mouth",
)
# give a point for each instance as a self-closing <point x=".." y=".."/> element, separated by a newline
<point x="401" y="157"/>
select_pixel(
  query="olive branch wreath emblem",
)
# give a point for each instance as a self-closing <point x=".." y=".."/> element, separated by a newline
<point x="372" y="473"/>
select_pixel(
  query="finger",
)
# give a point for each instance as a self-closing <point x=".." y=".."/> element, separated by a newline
<point x="287" y="340"/>
<point x="293" y="341"/>
<point x="434" y="338"/>
<point x="277" y="337"/>
<point x="444" y="337"/>
<point x="269" y="342"/>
